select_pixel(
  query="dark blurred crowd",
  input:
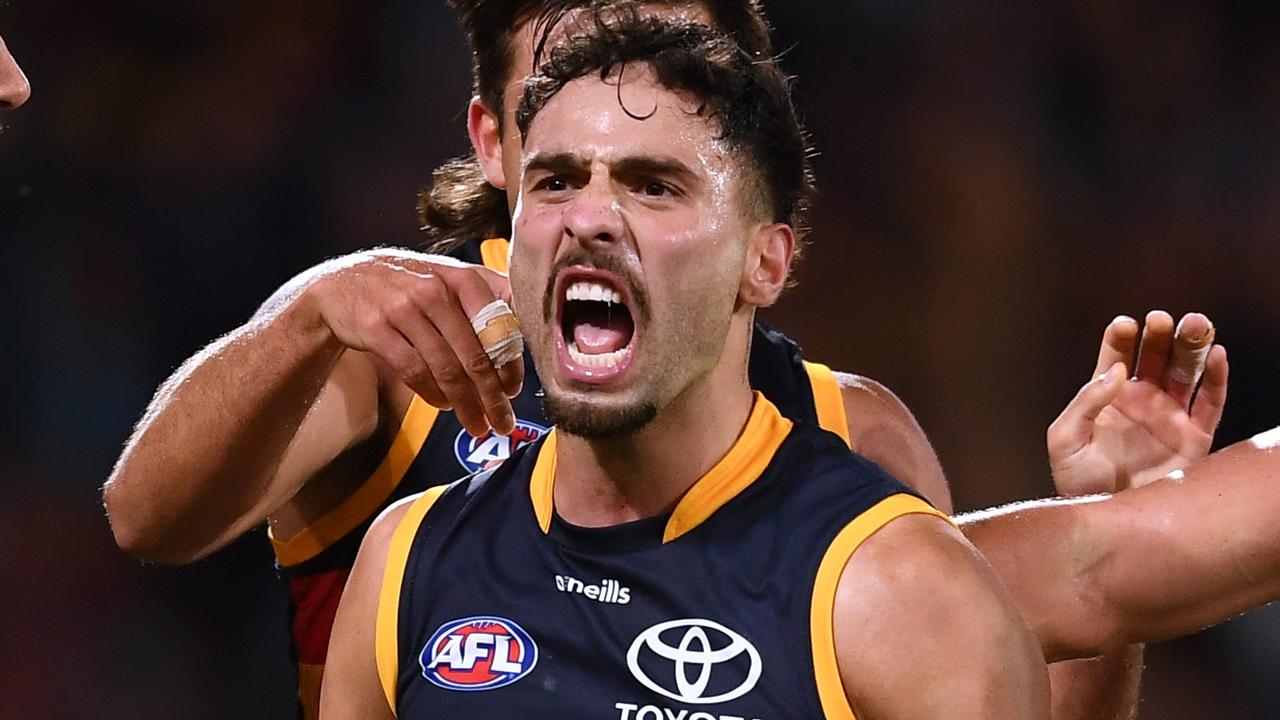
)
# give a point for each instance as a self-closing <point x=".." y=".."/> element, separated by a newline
<point x="996" y="184"/>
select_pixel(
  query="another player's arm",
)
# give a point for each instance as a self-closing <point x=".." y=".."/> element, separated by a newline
<point x="883" y="430"/>
<point x="352" y="687"/>
<point x="915" y="603"/>
<point x="1133" y="424"/>
<point x="244" y="424"/>
<point x="1148" y="564"/>
<point x="208" y="459"/>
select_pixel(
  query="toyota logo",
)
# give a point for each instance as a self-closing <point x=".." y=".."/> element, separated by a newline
<point x="694" y="656"/>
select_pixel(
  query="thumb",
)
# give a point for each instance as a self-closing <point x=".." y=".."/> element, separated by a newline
<point x="1073" y="429"/>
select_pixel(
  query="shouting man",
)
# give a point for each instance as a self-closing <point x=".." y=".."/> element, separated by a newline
<point x="768" y="572"/>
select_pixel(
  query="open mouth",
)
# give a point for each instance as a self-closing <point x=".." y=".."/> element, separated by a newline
<point x="597" y="328"/>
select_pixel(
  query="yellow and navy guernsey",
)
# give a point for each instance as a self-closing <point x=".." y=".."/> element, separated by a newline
<point x="431" y="449"/>
<point x="491" y="603"/>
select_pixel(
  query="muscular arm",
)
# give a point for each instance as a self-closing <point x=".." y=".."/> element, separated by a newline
<point x="1122" y="430"/>
<point x="1156" y="562"/>
<point x="883" y="430"/>
<point x="915" y="603"/>
<point x="244" y="424"/>
<point x="236" y="431"/>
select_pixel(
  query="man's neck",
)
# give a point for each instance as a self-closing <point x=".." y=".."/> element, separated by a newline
<point x="606" y="482"/>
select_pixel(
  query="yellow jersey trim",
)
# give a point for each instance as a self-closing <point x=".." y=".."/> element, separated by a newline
<point x="835" y="703"/>
<point x="765" y="430"/>
<point x="495" y="252"/>
<point x="751" y="453"/>
<point x="386" y="631"/>
<point x="365" y="501"/>
<point x="543" y="483"/>
<point x="828" y="400"/>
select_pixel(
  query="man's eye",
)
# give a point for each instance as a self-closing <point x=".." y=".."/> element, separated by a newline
<point x="552" y="184"/>
<point x="657" y="189"/>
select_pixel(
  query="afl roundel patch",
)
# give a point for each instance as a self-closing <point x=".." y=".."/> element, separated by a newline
<point x="480" y="453"/>
<point x="478" y="653"/>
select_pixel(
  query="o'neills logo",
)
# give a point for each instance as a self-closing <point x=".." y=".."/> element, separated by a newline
<point x="608" y="591"/>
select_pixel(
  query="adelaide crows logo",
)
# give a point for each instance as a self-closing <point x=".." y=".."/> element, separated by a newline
<point x="478" y="653"/>
<point x="478" y="453"/>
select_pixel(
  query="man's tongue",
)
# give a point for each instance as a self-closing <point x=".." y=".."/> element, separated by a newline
<point x="597" y="331"/>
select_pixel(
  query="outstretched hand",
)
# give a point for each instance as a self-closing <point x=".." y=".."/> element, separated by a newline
<point x="1127" y="428"/>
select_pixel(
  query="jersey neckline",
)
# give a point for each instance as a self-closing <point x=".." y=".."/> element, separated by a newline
<point x="751" y="453"/>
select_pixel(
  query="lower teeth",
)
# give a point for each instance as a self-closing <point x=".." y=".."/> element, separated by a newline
<point x="601" y="360"/>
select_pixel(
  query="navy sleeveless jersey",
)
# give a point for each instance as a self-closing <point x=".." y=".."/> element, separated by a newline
<point x="492" y="604"/>
<point x="432" y="449"/>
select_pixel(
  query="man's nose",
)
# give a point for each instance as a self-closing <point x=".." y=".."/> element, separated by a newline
<point x="593" y="215"/>
<point x="14" y="88"/>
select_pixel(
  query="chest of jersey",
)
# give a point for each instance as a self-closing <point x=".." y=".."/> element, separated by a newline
<point x="678" y="629"/>
<point x="497" y="615"/>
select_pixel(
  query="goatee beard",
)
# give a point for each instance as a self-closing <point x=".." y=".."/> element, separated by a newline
<point x="594" y="423"/>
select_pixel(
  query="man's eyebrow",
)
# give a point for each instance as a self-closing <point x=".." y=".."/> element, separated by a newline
<point x="655" y="166"/>
<point x="554" y="162"/>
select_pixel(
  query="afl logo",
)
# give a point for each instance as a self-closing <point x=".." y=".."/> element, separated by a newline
<point x="478" y="453"/>
<point x="478" y="653"/>
<point x="694" y="661"/>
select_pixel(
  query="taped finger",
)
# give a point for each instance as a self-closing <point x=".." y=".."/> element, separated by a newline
<point x="499" y="333"/>
<point x="1189" y="353"/>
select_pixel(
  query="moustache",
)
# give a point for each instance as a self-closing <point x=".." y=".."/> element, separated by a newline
<point x="609" y="263"/>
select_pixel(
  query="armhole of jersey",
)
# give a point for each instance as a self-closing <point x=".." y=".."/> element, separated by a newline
<point x="494" y="253"/>
<point x="365" y="501"/>
<point x="828" y="400"/>
<point x="835" y="703"/>
<point x="387" y="628"/>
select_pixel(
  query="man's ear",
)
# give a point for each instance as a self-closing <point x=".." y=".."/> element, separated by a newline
<point x="486" y="139"/>
<point x="769" y="254"/>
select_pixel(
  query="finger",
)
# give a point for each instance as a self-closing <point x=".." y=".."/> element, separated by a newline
<point x="450" y="375"/>
<point x="475" y="288"/>
<point x="1191" y="344"/>
<point x="1073" y="429"/>
<point x="444" y="366"/>
<point x="1119" y="341"/>
<point x="452" y="318"/>
<point x="473" y="296"/>
<point x="512" y="377"/>
<point x="1153" y="352"/>
<point x="1211" y="398"/>
<point x="397" y="351"/>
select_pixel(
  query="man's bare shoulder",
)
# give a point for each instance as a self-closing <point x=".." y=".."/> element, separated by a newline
<point x="911" y="554"/>
<point x="918" y="595"/>
<point x="882" y="429"/>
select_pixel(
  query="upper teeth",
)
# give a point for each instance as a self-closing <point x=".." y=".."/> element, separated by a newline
<point x="583" y="290"/>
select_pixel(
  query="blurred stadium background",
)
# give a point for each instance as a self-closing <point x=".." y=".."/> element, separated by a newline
<point x="997" y="183"/>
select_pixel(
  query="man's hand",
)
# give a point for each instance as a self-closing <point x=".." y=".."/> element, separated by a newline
<point x="1126" y="429"/>
<point x="412" y="311"/>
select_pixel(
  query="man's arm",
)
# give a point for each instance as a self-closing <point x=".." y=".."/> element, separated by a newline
<point x="1134" y="423"/>
<point x="352" y="687"/>
<point x="243" y="425"/>
<point x="883" y="430"/>
<point x="1157" y="562"/>
<point x="924" y="629"/>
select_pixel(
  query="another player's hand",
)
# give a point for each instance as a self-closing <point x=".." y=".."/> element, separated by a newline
<point x="413" y="312"/>
<point x="1125" y="429"/>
